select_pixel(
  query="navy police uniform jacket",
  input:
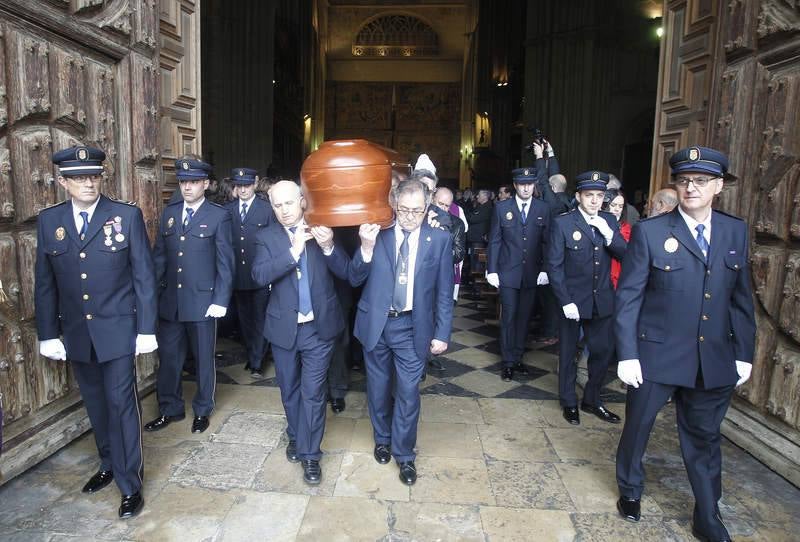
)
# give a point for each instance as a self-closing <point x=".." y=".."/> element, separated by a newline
<point x="516" y="251"/>
<point x="274" y="265"/>
<point x="258" y="216"/>
<point x="579" y="263"/>
<point x="99" y="292"/>
<point x="194" y="268"/>
<point x="432" y="311"/>
<point x="675" y="312"/>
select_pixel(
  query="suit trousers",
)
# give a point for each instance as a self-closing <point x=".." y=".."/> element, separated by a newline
<point x="109" y="393"/>
<point x="251" y="308"/>
<point x="517" y="307"/>
<point x="700" y="413"/>
<point x="395" y="370"/>
<point x="339" y="370"/>
<point x="301" y="372"/>
<point x="173" y="340"/>
<point x="598" y="333"/>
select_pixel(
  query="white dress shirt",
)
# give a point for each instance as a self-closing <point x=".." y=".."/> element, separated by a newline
<point x="413" y="245"/>
<point x="249" y="205"/>
<point x="196" y="206"/>
<point x="527" y="203"/>
<point x="76" y="214"/>
<point x="691" y="223"/>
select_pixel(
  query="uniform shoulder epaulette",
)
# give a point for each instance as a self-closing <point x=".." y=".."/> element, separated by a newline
<point x="728" y="214"/>
<point x="53" y="205"/>
<point x="646" y="218"/>
<point x="567" y="212"/>
<point x="131" y="203"/>
<point x="171" y="203"/>
<point x="216" y="204"/>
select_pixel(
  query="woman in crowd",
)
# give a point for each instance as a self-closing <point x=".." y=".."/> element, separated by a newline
<point x="614" y="203"/>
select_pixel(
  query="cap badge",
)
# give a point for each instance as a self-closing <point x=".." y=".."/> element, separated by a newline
<point x="185" y="165"/>
<point x="595" y="176"/>
<point x="509" y="216"/>
<point x="576" y="235"/>
<point x="60" y="233"/>
<point x="671" y="245"/>
<point x="694" y="154"/>
<point x="241" y="173"/>
<point x="83" y="154"/>
<point x="525" y="172"/>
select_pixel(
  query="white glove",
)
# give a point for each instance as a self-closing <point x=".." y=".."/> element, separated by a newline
<point x="542" y="279"/>
<point x="53" y="349"/>
<point x="215" y="311"/>
<point x="630" y="372"/>
<point x="743" y="369"/>
<point x="145" y="344"/>
<point x="493" y="279"/>
<point x="602" y="226"/>
<point x="571" y="312"/>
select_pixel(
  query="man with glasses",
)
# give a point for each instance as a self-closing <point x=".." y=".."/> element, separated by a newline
<point x="95" y="288"/>
<point x="405" y="313"/>
<point x="685" y="328"/>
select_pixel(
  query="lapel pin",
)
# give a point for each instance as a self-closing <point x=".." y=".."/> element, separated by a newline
<point x="671" y="245"/>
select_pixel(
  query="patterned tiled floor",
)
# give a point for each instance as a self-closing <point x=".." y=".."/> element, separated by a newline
<point x="496" y="462"/>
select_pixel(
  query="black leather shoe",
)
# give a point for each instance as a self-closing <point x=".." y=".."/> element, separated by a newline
<point x="199" y="424"/>
<point x="521" y="369"/>
<point x="700" y="536"/>
<point x="312" y="472"/>
<point x="382" y="453"/>
<point x="630" y="509"/>
<point x="601" y="412"/>
<point x="291" y="452"/>
<point x="256" y="373"/>
<point x="337" y="404"/>
<point x="98" y="481"/>
<point x="161" y="422"/>
<point x="508" y="374"/>
<point x="572" y="415"/>
<point x="408" y="473"/>
<point x="131" y="505"/>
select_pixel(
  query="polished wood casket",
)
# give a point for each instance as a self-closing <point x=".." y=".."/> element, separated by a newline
<point x="347" y="183"/>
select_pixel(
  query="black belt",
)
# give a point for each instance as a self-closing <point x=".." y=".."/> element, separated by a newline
<point x="395" y="314"/>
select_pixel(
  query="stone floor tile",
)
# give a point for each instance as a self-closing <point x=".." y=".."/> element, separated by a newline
<point x="434" y="521"/>
<point x="541" y="360"/>
<point x="263" y="516"/>
<point x="612" y="528"/>
<point x="182" y="430"/>
<point x="515" y="413"/>
<point x="344" y="519"/>
<point x="468" y="338"/>
<point x="241" y="376"/>
<point x="438" y="408"/>
<point x="256" y="428"/>
<point x="461" y="323"/>
<point x="449" y="440"/>
<point x="161" y="462"/>
<point x="553" y="413"/>
<point x="484" y="383"/>
<point x="338" y="434"/>
<point x="548" y="382"/>
<point x="473" y="357"/>
<point x="221" y="465"/>
<point x="31" y="493"/>
<point x="509" y="444"/>
<point x="278" y="475"/>
<point x="592" y="446"/>
<point x="79" y="457"/>
<point x="515" y="525"/>
<point x="593" y="489"/>
<point x="355" y="406"/>
<point x="182" y="513"/>
<point x="362" y="476"/>
<point x="522" y="484"/>
<point x="452" y="481"/>
<point x="363" y="440"/>
<point x="252" y="398"/>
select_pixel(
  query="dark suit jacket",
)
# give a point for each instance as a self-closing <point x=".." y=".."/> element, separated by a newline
<point x="114" y="284"/>
<point x="516" y="252"/>
<point x="274" y="265"/>
<point x="433" y="289"/>
<point x="194" y="268"/>
<point x="479" y="218"/>
<point x="668" y="298"/>
<point x="579" y="265"/>
<point x="258" y="216"/>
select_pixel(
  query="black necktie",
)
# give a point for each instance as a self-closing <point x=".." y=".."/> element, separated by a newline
<point x="401" y="275"/>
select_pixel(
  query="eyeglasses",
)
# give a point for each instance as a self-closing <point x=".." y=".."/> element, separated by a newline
<point x="84" y="180"/>
<point x="410" y="212"/>
<point x="699" y="182"/>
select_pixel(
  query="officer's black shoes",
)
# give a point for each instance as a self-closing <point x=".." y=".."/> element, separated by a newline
<point x="601" y="412"/>
<point x="199" y="424"/>
<point x="701" y="536"/>
<point x="256" y="373"/>
<point x="382" y="453"/>
<point x="337" y="404"/>
<point x="312" y="472"/>
<point x="98" y="481"/>
<point x="520" y="368"/>
<point x="131" y="505"/>
<point x="408" y="473"/>
<point x="572" y="415"/>
<point x="161" y="422"/>
<point x="507" y="374"/>
<point x="629" y="509"/>
<point x="291" y="452"/>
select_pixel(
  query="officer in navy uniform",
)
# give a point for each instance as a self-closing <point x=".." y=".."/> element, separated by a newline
<point x="582" y="243"/>
<point x="304" y="318"/>
<point x="249" y="214"/>
<point x="194" y="267"/>
<point x="95" y="287"/>
<point x="515" y="263"/>
<point x="685" y="329"/>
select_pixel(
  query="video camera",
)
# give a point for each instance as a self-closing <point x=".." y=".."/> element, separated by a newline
<point x="537" y="138"/>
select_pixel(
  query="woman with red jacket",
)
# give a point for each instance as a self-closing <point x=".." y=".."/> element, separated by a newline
<point x="614" y="203"/>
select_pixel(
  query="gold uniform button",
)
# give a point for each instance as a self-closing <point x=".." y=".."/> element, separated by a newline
<point x="707" y="295"/>
<point x="705" y="317"/>
<point x="82" y="255"/>
<point x="702" y="338"/>
<point x="180" y="253"/>
<point x="242" y="262"/>
<point x="708" y="272"/>
<point x="88" y="316"/>
<point x="180" y="269"/>
<point x="242" y="251"/>
<point x="736" y="266"/>
<point x="524" y="238"/>
<point x="242" y="238"/>
<point x="201" y="235"/>
<point x="83" y="276"/>
<point x="597" y="248"/>
<point x="113" y="249"/>
<point x="597" y="263"/>
<point x="179" y="285"/>
<point x="667" y="268"/>
<point x="85" y="297"/>
<point x="183" y="238"/>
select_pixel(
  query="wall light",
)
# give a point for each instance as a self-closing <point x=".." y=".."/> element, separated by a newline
<point x="660" y="32"/>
